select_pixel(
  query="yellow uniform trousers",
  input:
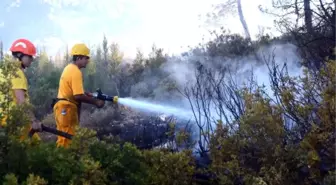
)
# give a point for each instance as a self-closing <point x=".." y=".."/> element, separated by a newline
<point x="66" y="116"/>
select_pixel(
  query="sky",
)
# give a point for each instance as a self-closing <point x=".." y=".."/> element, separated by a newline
<point x="170" y="24"/>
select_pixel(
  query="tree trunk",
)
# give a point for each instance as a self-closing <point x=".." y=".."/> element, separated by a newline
<point x="333" y="22"/>
<point x="308" y="16"/>
<point x="1" y="50"/>
<point x="242" y="19"/>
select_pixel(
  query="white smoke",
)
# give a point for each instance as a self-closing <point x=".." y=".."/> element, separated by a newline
<point x="182" y="70"/>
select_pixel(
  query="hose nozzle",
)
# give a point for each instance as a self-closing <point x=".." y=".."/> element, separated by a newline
<point x="115" y="99"/>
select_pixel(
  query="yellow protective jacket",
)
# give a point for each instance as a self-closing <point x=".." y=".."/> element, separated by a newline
<point x="19" y="81"/>
<point x="66" y="110"/>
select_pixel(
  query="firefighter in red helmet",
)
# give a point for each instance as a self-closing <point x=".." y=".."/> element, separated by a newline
<point x="23" y="52"/>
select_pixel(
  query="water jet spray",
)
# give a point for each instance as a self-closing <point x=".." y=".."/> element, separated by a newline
<point x="144" y="106"/>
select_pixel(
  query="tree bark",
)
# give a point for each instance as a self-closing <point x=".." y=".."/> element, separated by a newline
<point x="1" y="50"/>
<point x="308" y="16"/>
<point x="242" y="19"/>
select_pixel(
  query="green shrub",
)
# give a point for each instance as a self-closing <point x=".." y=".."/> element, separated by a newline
<point x="168" y="168"/>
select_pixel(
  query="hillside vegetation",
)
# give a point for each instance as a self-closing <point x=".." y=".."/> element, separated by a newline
<point x="279" y="134"/>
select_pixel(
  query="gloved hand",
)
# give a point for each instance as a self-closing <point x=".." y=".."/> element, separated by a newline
<point x="37" y="126"/>
<point x="88" y="94"/>
<point x="100" y="103"/>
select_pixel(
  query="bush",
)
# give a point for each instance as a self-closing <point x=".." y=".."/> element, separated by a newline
<point x="169" y="168"/>
<point x="101" y="164"/>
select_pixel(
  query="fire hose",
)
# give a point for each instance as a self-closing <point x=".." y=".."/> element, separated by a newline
<point x="54" y="131"/>
<point x="98" y="95"/>
<point x="51" y="130"/>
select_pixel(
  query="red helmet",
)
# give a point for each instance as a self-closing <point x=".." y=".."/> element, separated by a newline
<point x="23" y="46"/>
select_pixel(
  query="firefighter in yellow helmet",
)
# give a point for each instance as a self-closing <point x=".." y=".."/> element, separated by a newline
<point x="71" y="94"/>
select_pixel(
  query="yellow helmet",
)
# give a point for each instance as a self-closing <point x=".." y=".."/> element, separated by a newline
<point x="80" y="49"/>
